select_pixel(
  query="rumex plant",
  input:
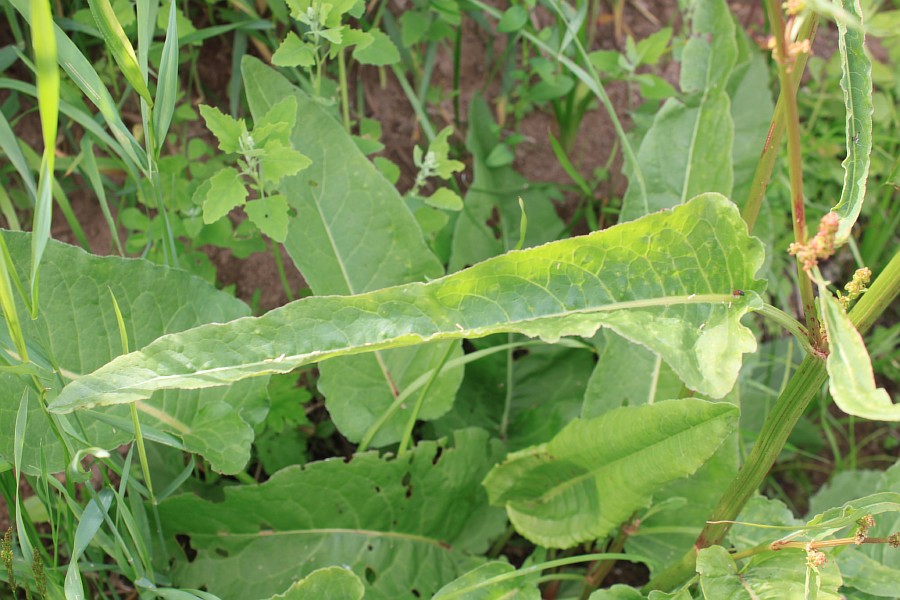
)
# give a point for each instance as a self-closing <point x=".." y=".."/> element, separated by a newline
<point x="589" y="399"/>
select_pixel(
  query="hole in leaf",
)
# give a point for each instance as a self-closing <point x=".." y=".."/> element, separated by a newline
<point x="415" y="593"/>
<point x="221" y="552"/>
<point x="370" y="575"/>
<point x="377" y="489"/>
<point x="185" y="542"/>
<point x="437" y="455"/>
<point x="369" y="547"/>
<point x="520" y="353"/>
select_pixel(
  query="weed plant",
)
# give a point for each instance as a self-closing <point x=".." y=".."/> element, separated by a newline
<point x="467" y="401"/>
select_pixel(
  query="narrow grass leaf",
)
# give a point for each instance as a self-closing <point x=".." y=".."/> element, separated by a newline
<point x="82" y="72"/>
<point x="622" y="277"/>
<point x="581" y="485"/>
<point x="8" y="303"/>
<point x="9" y="143"/>
<point x="47" y="74"/>
<point x="19" y="444"/>
<point x="92" y="173"/>
<point x="119" y="46"/>
<point x="88" y="526"/>
<point x="856" y="83"/>
<point x="167" y="85"/>
<point x="850" y="376"/>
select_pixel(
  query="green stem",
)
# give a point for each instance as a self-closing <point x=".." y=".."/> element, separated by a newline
<point x="345" y="101"/>
<point x="790" y="406"/>
<point x="279" y="265"/>
<point x="411" y="422"/>
<point x="795" y="167"/>
<point x="142" y="453"/>
<point x="789" y="323"/>
<point x="766" y="164"/>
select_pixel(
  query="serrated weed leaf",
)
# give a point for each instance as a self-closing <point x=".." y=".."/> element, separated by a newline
<point x="226" y="128"/>
<point x="664" y="281"/>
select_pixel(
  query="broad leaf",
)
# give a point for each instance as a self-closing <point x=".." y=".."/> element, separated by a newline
<point x="688" y="149"/>
<point x="411" y="523"/>
<point x="624" y="277"/>
<point x="294" y="52"/>
<point x="584" y="482"/>
<point x="856" y="84"/>
<point x="76" y="331"/>
<point x="270" y="214"/>
<point x="380" y="52"/>
<point x="772" y="576"/>
<point x="867" y="575"/>
<point x="330" y="582"/>
<point x="226" y="128"/>
<point x="665" y="534"/>
<point x="226" y="191"/>
<point x="353" y="233"/>
<point x="850" y="377"/>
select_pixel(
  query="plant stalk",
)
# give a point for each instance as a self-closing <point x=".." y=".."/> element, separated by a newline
<point x="795" y="166"/>
<point x="790" y="406"/>
<point x="766" y="164"/>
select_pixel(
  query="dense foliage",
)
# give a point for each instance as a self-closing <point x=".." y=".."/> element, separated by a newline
<point x="461" y="398"/>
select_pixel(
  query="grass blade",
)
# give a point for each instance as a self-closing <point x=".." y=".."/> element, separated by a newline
<point x="8" y="303"/>
<point x="167" y="87"/>
<point x="80" y="70"/>
<point x="21" y="421"/>
<point x="856" y="83"/>
<point x="89" y="169"/>
<point x="10" y="147"/>
<point x="44" y="44"/>
<point x="119" y="46"/>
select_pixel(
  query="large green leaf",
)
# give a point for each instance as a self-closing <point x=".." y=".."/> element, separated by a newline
<point x="665" y="281"/>
<point x="856" y="83"/>
<point x="583" y="483"/>
<point x="76" y="331"/>
<point x="411" y="523"/>
<point x="850" y="376"/>
<point x="681" y="507"/>
<point x="771" y="576"/>
<point x="353" y="233"/>
<point x="688" y="149"/>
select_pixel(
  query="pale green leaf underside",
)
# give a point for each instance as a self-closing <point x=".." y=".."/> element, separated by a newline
<point x="664" y="281"/>
<point x="582" y="484"/>
<point x="329" y="582"/>
<point x="850" y="376"/>
<point x="77" y="331"/>
<point x="856" y="84"/>
<point x="417" y="522"/>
